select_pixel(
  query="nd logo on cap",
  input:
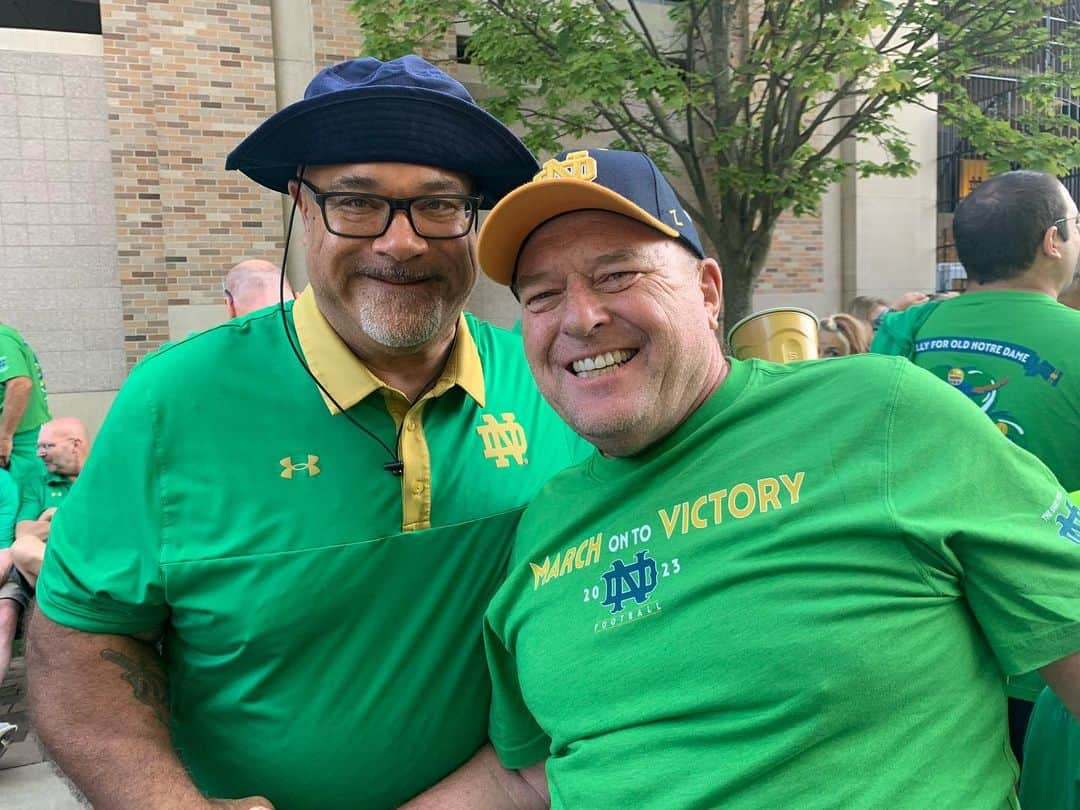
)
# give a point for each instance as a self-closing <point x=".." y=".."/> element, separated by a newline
<point x="575" y="166"/>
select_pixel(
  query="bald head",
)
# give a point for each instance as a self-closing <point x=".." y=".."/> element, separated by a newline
<point x="253" y="284"/>
<point x="63" y="444"/>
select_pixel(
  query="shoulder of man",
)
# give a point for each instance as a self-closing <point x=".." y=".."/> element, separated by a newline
<point x="898" y="331"/>
<point x="210" y="344"/>
<point x="500" y="350"/>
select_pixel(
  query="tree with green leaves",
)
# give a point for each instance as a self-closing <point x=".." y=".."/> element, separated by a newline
<point x="747" y="100"/>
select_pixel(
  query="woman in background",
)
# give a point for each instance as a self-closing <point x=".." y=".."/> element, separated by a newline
<point x="841" y="334"/>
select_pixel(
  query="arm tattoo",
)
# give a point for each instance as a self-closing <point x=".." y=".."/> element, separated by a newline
<point x="148" y="684"/>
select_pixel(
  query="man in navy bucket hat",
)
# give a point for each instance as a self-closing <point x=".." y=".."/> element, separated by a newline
<point x="268" y="588"/>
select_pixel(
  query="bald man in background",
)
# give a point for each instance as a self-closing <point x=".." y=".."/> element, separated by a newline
<point x="63" y="446"/>
<point x="253" y="284"/>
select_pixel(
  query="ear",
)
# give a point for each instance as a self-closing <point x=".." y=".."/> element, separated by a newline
<point x="303" y="204"/>
<point x="711" y="281"/>
<point x="230" y="307"/>
<point x="294" y="193"/>
<point x="1050" y="242"/>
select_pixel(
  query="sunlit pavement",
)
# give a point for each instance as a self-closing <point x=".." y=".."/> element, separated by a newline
<point x="28" y="781"/>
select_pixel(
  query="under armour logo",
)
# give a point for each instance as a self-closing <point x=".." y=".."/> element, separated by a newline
<point x="576" y="165"/>
<point x="311" y="467"/>
<point x="503" y="440"/>
<point x="635" y="581"/>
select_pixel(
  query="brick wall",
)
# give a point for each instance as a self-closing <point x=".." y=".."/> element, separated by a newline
<point x="795" y="263"/>
<point x="186" y="81"/>
<point x="336" y="32"/>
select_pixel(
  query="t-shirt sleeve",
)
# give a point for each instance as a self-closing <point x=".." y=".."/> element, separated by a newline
<point x="29" y="502"/>
<point x="9" y="503"/>
<point x="987" y="518"/>
<point x="102" y="572"/>
<point x="12" y="362"/>
<point x="514" y="733"/>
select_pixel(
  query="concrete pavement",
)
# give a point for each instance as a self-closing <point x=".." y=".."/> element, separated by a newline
<point x="28" y="781"/>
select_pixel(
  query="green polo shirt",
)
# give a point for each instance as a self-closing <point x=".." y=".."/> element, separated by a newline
<point x="42" y="493"/>
<point x="17" y="359"/>
<point x="322" y="617"/>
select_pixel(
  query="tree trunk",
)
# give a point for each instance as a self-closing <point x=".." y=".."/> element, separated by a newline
<point x="740" y="274"/>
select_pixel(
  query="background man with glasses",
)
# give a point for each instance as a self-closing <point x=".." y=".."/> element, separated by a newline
<point x="1007" y="342"/>
<point x="308" y="508"/>
<point x="63" y="445"/>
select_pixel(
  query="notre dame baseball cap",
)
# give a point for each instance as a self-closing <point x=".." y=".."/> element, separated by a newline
<point x="626" y="183"/>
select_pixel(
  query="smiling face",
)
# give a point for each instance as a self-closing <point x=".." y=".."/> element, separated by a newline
<point x="396" y="293"/>
<point x="619" y="324"/>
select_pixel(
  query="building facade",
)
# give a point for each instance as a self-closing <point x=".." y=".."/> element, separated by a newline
<point x="118" y="220"/>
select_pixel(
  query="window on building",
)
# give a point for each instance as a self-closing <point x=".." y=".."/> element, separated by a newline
<point x="75" y="16"/>
<point x="462" y="45"/>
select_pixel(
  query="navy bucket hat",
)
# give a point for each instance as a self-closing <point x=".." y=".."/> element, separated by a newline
<point x="402" y="111"/>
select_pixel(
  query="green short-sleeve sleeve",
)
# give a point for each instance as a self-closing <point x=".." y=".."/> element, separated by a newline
<point x="1016" y="554"/>
<point x="515" y="735"/>
<point x="9" y="504"/>
<point x="12" y="359"/>
<point x="31" y="499"/>
<point x="102" y="572"/>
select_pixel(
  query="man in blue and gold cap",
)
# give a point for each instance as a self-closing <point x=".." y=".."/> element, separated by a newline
<point x="267" y="587"/>
<point x="757" y="594"/>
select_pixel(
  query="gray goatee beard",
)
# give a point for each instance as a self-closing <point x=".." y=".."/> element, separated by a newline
<point x="400" y="320"/>
<point x="399" y="327"/>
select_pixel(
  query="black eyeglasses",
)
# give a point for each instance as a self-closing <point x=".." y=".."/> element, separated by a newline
<point x="1074" y="218"/>
<point x="367" y="216"/>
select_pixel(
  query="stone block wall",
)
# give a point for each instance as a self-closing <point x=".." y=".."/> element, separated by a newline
<point x="58" y="279"/>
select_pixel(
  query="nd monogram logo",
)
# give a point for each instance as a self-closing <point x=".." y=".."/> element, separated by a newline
<point x="503" y="440"/>
<point x="635" y="581"/>
<point x="311" y="467"/>
<point x="577" y="165"/>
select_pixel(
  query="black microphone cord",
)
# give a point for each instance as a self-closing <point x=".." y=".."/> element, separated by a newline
<point x="395" y="466"/>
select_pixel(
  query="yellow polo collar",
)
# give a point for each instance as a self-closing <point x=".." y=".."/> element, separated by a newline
<point x="349" y="381"/>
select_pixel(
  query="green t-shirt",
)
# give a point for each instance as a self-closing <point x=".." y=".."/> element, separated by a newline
<point x="9" y="505"/>
<point x="17" y="359"/>
<point x="318" y="653"/>
<point x="42" y="493"/>
<point x="1050" y="779"/>
<point x="1015" y="355"/>
<point x="783" y="604"/>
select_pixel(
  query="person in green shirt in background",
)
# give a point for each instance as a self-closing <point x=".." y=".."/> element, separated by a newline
<point x="63" y="445"/>
<point x="309" y="507"/>
<point x="1051" y="776"/>
<point x="24" y="405"/>
<point x="13" y="597"/>
<point x="1007" y="343"/>
<point x="758" y="593"/>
